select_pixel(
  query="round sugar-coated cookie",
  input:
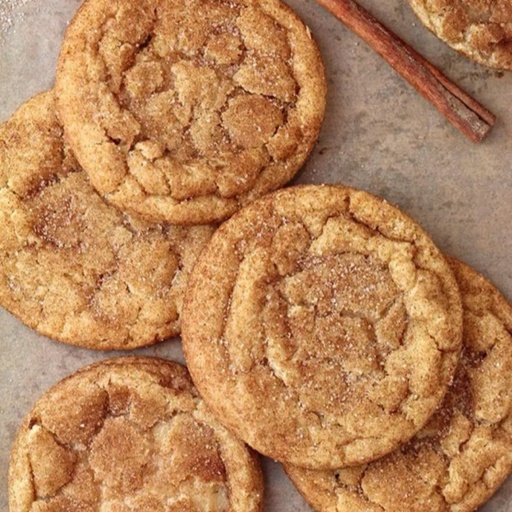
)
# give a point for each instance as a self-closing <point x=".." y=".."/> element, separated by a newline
<point x="480" y="30"/>
<point x="322" y="325"/>
<point x="130" y="434"/>
<point x="465" y="452"/>
<point x="73" y="267"/>
<point x="184" y="110"/>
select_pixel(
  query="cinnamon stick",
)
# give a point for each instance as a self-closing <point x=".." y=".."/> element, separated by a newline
<point x="458" y="107"/>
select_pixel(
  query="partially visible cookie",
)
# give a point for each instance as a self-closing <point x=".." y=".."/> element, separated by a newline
<point x="184" y="110"/>
<point x="465" y="452"/>
<point x="73" y="267"/>
<point x="322" y="325"/>
<point x="129" y="434"/>
<point x="481" y="30"/>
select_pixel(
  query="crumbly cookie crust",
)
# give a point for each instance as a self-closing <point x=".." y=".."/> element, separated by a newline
<point x="194" y="110"/>
<point x="322" y="325"/>
<point x="465" y="452"/>
<point x="73" y="267"/>
<point x="479" y="29"/>
<point x="129" y="434"/>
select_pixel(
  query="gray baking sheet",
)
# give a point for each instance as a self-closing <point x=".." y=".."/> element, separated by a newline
<point x="379" y="134"/>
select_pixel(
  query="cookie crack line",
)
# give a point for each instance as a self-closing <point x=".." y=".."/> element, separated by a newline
<point x="140" y="46"/>
<point x="344" y="313"/>
<point x="39" y="423"/>
<point x="376" y="229"/>
<point x="361" y="490"/>
<point x="38" y="188"/>
<point x="89" y="296"/>
<point x="324" y="417"/>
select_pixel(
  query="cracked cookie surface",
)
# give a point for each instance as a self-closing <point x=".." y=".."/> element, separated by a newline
<point x="322" y="326"/>
<point x="184" y="110"/>
<point x="465" y="452"/>
<point x="479" y="29"/>
<point x="73" y="267"/>
<point x="129" y="434"/>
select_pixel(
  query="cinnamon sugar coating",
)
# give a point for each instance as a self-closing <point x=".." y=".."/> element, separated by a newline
<point x="129" y="434"/>
<point x="184" y="110"/>
<point x="479" y="29"/>
<point x="322" y="326"/>
<point x="465" y="452"/>
<point x="73" y="267"/>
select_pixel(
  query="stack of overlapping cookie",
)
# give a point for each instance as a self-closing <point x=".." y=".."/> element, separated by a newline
<point x="166" y="118"/>
<point x="325" y="329"/>
<point x="320" y="324"/>
<point x="178" y="113"/>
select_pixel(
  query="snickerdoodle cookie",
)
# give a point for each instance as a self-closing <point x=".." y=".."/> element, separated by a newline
<point x="74" y="268"/>
<point x="322" y="325"/>
<point x="465" y="452"/>
<point x="479" y="29"/>
<point x="184" y="110"/>
<point x="129" y="434"/>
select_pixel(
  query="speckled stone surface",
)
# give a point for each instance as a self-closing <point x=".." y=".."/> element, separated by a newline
<point x="379" y="135"/>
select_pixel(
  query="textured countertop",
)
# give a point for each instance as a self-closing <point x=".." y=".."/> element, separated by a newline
<point x="379" y="135"/>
